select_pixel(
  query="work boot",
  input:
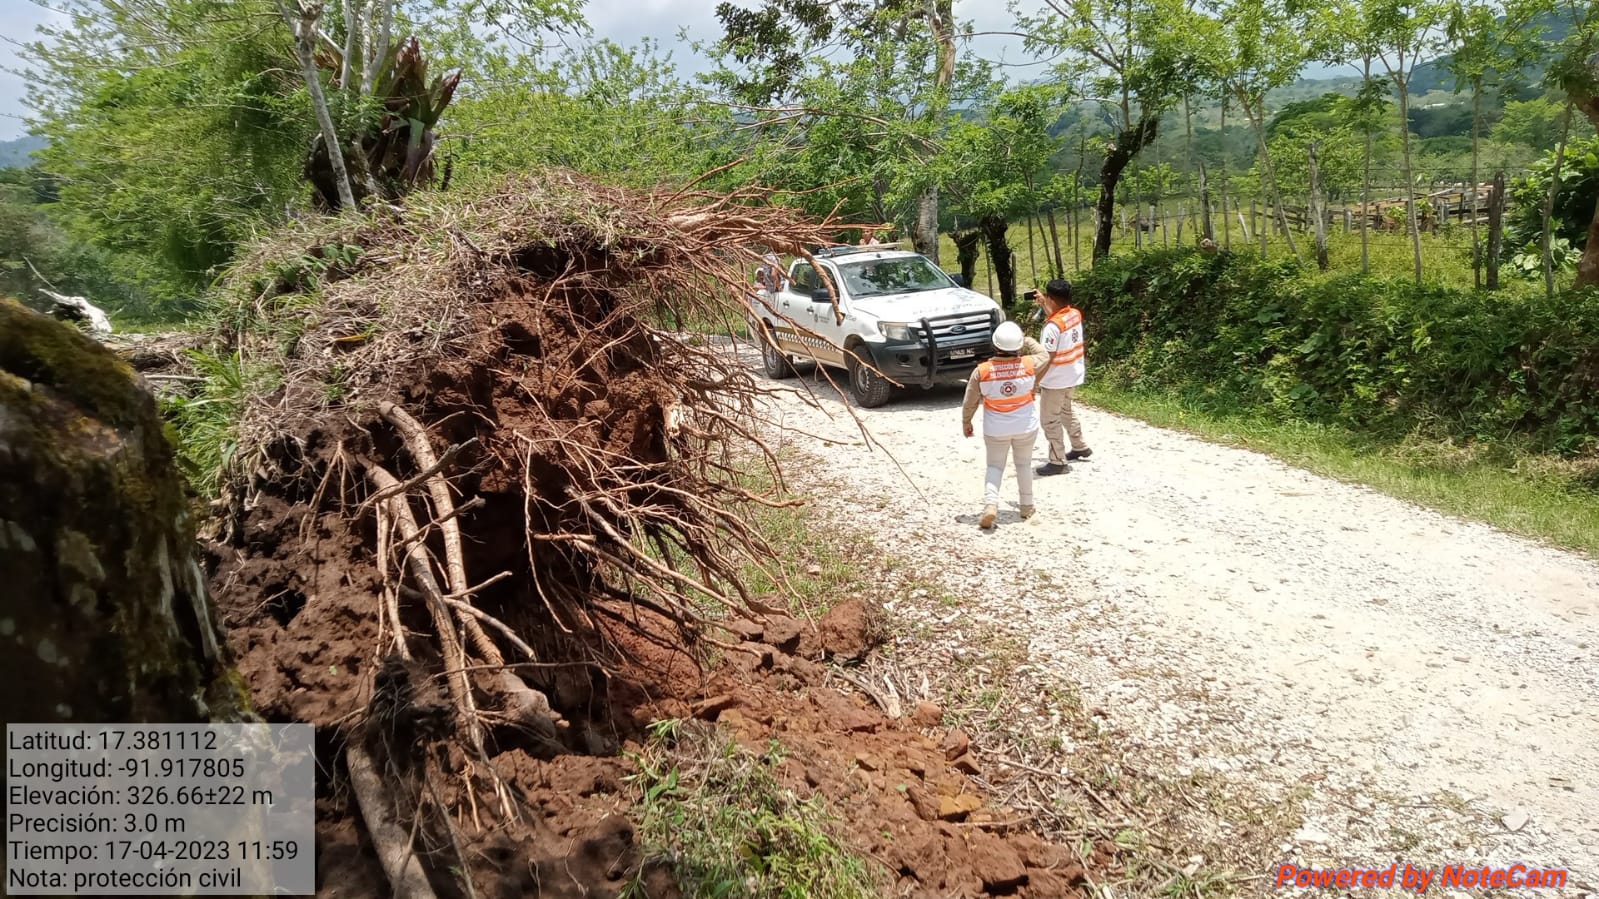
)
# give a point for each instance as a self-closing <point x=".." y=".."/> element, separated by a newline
<point x="1045" y="471"/>
<point x="1027" y="512"/>
<point x="990" y="513"/>
<point x="1074" y="455"/>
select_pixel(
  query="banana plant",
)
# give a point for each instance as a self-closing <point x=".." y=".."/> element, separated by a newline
<point x="392" y="151"/>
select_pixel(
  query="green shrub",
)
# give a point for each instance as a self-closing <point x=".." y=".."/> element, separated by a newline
<point x="1389" y="356"/>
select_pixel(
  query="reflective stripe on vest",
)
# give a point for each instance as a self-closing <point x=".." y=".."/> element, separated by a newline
<point x="1069" y="322"/>
<point x="1007" y="384"/>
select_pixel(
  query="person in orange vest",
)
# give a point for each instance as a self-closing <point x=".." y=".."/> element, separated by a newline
<point x="1058" y="381"/>
<point x="1004" y="386"/>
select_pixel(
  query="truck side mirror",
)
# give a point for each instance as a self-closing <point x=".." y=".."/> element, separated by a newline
<point x="960" y="280"/>
<point x="820" y="295"/>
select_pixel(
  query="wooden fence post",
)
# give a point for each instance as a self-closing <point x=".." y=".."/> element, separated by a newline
<point x="1259" y="227"/>
<point x="1496" y="228"/>
<point x="1208" y="231"/>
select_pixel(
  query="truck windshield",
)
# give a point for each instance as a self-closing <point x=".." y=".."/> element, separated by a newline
<point x="908" y="274"/>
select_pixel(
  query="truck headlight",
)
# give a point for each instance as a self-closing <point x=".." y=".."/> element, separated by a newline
<point x="896" y="331"/>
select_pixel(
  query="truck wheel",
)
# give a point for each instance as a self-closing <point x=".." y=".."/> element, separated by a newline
<point x="866" y="387"/>
<point x="773" y="360"/>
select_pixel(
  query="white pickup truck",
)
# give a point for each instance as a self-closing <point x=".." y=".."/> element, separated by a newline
<point x="905" y="321"/>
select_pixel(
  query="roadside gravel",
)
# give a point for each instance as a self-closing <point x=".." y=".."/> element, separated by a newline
<point x="1428" y="688"/>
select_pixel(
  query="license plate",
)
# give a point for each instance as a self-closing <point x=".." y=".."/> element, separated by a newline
<point x="962" y="354"/>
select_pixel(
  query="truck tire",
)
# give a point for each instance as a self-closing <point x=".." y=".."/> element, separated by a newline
<point x="866" y="387"/>
<point x="774" y="362"/>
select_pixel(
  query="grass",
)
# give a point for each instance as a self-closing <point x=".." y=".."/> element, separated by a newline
<point x="1535" y="496"/>
<point x="716" y="811"/>
<point x="207" y="423"/>
<point x="1446" y="256"/>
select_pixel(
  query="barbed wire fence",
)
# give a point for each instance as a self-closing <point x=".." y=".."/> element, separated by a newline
<point x="1454" y="217"/>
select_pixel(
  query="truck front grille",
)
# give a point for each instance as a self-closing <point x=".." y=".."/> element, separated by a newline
<point x="961" y="327"/>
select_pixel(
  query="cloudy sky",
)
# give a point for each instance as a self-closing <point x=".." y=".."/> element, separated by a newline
<point x="624" y="21"/>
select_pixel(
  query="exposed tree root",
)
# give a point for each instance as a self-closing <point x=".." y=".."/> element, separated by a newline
<point x="532" y="344"/>
<point x="391" y="839"/>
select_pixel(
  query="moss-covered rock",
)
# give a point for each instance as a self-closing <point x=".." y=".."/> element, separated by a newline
<point x="104" y="613"/>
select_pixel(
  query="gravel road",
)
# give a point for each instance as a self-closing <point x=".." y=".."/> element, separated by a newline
<point x="1428" y="686"/>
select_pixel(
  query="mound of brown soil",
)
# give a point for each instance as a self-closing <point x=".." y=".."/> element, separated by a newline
<point x="476" y="531"/>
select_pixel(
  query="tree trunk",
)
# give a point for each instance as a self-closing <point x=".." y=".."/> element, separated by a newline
<point x="1549" y="204"/>
<point x="1410" y="179"/>
<point x="1226" y="226"/>
<point x="1002" y="262"/>
<point x="1496" y="228"/>
<point x="925" y="236"/>
<point x="380" y="49"/>
<point x="1588" y="266"/>
<point x="304" y="29"/>
<point x="941" y="22"/>
<point x="1257" y="119"/>
<point x="1032" y="251"/>
<point x="107" y="617"/>
<point x="1315" y="211"/>
<point x="1127" y="145"/>
<point x="1054" y="240"/>
<point x="967" y="245"/>
<point x="349" y="67"/>
<point x="1209" y="232"/>
<point x="1476" y="178"/>
<point x="1365" y="187"/>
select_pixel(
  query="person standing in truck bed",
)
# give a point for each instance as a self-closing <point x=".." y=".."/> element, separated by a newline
<point x="1004" y="386"/>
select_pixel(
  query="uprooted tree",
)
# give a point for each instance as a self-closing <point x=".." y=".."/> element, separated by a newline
<point x="472" y="454"/>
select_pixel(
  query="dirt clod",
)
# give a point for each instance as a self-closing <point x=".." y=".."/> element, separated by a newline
<point x="956" y="808"/>
<point x="996" y="863"/>
<point x="847" y="631"/>
<point x="927" y="714"/>
<point x="956" y="744"/>
<point x="784" y="633"/>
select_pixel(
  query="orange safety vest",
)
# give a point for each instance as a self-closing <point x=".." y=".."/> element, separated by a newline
<point x="1066" y="359"/>
<point x="1006" y="383"/>
<point x="1069" y="348"/>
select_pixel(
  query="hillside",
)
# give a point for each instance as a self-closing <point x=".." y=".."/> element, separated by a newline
<point x="18" y="153"/>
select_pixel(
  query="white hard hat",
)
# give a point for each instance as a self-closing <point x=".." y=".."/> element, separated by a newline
<point x="1008" y="337"/>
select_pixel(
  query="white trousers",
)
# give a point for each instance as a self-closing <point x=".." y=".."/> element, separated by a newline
<point x="1019" y="447"/>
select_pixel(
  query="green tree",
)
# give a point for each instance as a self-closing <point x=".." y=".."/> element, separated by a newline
<point x="1351" y="37"/>
<point x="1256" y="46"/>
<point x="1405" y="31"/>
<point x="1572" y="210"/>
<point x="1534" y="123"/>
<point x="995" y="169"/>
<point x="1487" y="40"/>
<point x="774" y="54"/>
<point x="175" y="131"/>
<point x="36" y="255"/>
<point x="1340" y="158"/>
<point x="621" y="113"/>
<point x="1576" y="70"/>
<point x="1137" y="60"/>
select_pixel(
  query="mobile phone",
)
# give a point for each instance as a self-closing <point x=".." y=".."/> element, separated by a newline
<point x="1030" y="295"/>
